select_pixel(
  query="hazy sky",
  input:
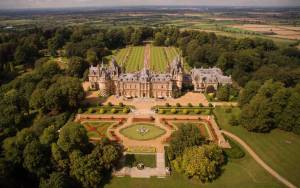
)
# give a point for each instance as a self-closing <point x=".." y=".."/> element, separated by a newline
<point x="77" y="3"/>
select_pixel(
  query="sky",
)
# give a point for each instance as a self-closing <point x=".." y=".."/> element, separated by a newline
<point x="12" y="4"/>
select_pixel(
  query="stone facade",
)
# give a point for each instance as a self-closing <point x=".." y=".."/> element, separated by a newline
<point x="113" y="80"/>
<point x="202" y="79"/>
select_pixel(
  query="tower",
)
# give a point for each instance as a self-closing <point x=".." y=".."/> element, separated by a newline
<point x="177" y="72"/>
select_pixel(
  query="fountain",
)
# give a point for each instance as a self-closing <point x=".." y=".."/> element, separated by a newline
<point x="142" y="130"/>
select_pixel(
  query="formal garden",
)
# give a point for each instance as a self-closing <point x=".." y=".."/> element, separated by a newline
<point x="97" y="129"/>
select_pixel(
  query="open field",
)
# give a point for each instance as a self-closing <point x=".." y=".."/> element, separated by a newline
<point x="286" y="32"/>
<point x="279" y="149"/>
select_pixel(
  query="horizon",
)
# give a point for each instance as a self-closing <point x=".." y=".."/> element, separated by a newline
<point x="69" y="4"/>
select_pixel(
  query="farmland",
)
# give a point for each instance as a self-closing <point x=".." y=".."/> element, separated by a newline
<point x="133" y="58"/>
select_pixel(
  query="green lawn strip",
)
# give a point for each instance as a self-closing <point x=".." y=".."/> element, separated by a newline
<point x="132" y="131"/>
<point x="279" y="149"/>
<point x="243" y="172"/>
<point x="149" y="160"/>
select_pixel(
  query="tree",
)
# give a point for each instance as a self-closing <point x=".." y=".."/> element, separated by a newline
<point x="50" y="135"/>
<point x="73" y="136"/>
<point x="258" y="115"/>
<point x="186" y="136"/>
<point x="290" y="115"/>
<point x="57" y="180"/>
<point x="92" y="56"/>
<point x="37" y="99"/>
<point x="36" y="158"/>
<point x="13" y="146"/>
<point x="223" y="93"/>
<point x="84" y="170"/>
<point x="248" y="92"/>
<point x="159" y="39"/>
<point x="76" y="67"/>
<point x="202" y="162"/>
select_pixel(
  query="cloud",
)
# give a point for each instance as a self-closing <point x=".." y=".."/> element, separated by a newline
<point x="81" y="3"/>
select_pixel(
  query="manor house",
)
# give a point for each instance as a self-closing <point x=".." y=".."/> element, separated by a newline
<point x="112" y="79"/>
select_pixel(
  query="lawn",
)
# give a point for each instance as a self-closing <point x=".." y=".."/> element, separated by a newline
<point x="243" y="172"/>
<point x="151" y="131"/>
<point x="201" y="125"/>
<point x="135" y="61"/>
<point x="97" y="129"/>
<point x="279" y="149"/>
<point x="149" y="160"/>
<point x="158" y="59"/>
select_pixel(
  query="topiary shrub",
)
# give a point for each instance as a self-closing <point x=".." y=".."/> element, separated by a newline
<point x="173" y="111"/>
<point x="161" y="111"/>
<point x="210" y="105"/>
<point x="79" y="111"/>
<point x="102" y="111"/>
<point x="109" y="104"/>
<point x="200" y="105"/>
<point x="185" y="111"/>
<point x="197" y="111"/>
<point x="113" y="110"/>
<point x="121" y="104"/>
<point x="178" y="105"/>
<point x="190" y="105"/>
<point x="91" y="110"/>
<point x="167" y="105"/>
<point x="126" y="110"/>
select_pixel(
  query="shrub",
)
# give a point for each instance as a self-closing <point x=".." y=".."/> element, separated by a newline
<point x="210" y="105"/>
<point x="121" y="104"/>
<point x="235" y="152"/>
<point x="113" y="110"/>
<point x="167" y="105"/>
<point x="126" y="110"/>
<point x="102" y="111"/>
<point x="178" y="105"/>
<point x="197" y="111"/>
<point x="200" y="105"/>
<point x="190" y="105"/>
<point x="173" y="111"/>
<point x="91" y="110"/>
<point x="161" y="111"/>
<point x="79" y="111"/>
<point x="233" y="121"/>
<point x="185" y="111"/>
<point x="109" y="104"/>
